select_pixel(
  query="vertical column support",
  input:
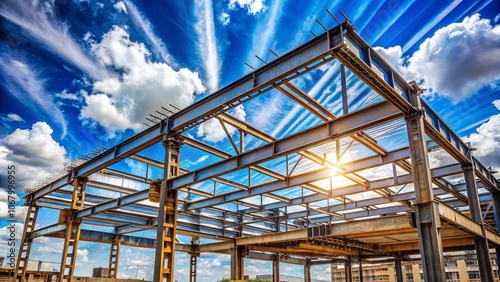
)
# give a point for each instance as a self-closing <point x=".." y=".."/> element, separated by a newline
<point x="195" y="253"/>
<point x="276" y="268"/>
<point x="73" y="228"/>
<point x="307" y="271"/>
<point x="25" y="248"/>
<point x="237" y="263"/>
<point x="496" y="210"/>
<point x="428" y="222"/>
<point x="399" y="270"/>
<point x="70" y="247"/>
<point x="114" y="256"/>
<point x="348" y="270"/>
<point x="167" y="212"/>
<point x="481" y="243"/>
<point x="360" y="269"/>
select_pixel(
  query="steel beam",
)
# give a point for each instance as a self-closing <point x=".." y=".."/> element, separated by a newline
<point x="482" y="248"/>
<point x="114" y="255"/>
<point x="276" y="268"/>
<point x="426" y="210"/>
<point x="237" y="262"/>
<point x="26" y="242"/>
<point x="338" y="128"/>
<point x="399" y="270"/>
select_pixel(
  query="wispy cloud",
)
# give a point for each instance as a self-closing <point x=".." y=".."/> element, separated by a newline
<point x="264" y="33"/>
<point x="157" y="44"/>
<point x="36" y="20"/>
<point x="430" y="25"/>
<point x="14" y="117"/>
<point x="207" y="44"/>
<point x="25" y="84"/>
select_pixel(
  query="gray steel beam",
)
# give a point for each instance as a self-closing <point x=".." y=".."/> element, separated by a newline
<point x="426" y="211"/>
<point x="340" y="127"/>
<point x="496" y="210"/>
<point x="481" y="243"/>
<point x="47" y="230"/>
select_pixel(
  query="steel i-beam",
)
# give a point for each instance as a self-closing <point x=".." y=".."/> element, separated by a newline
<point x="481" y="243"/>
<point x="167" y="213"/>
<point x="427" y="217"/>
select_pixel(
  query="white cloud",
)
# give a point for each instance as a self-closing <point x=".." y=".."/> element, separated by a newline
<point x="33" y="152"/>
<point x="36" y="20"/>
<point x="189" y="163"/>
<point x="486" y="140"/>
<point x="14" y="117"/>
<point x="212" y="131"/>
<point x="18" y="212"/>
<point x="120" y="7"/>
<point x="22" y="82"/>
<point x="83" y="255"/>
<point x="456" y="61"/>
<point x="159" y="47"/>
<point x="205" y="29"/>
<point x="224" y="18"/>
<point x="122" y="103"/>
<point x="497" y="104"/>
<point x="67" y="96"/>
<point x="253" y="6"/>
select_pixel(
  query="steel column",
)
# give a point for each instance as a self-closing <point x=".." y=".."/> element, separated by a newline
<point x="276" y="269"/>
<point x="348" y="270"/>
<point x="307" y="271"/>
<point x="495" y="196"/>
<point x="25" y="248"/>
<point x="360" y="270"/>
<point x="399" y="270"/>
<point x="237" y="263"/>
<point x="195" y="253"/>
<point x="426" y="211"/>
<point x="70" y="247"/>
<point x="79" y="187"/>
<point x="167" y="213"/>
<point x="481" y="243"/>
<point x="114" y="255"/>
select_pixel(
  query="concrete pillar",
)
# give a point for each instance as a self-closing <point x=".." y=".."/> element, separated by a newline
<point x="399" y="270"/>
<point x="428" y="222"/>
<point x="482" y="248"/>
<point x="167" y="213"/>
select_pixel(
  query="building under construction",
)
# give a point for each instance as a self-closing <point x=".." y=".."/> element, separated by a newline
<point x="336" y="188"/>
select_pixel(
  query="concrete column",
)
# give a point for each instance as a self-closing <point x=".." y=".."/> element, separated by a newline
<point x="482" y="248"/>
<point x="399" y="270"/>
<point x="428" y="222"/>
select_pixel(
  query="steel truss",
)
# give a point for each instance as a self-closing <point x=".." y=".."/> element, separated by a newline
<point x="411" y="207"/>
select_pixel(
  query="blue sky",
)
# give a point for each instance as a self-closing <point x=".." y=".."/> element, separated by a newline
<point x="76" y="74"/>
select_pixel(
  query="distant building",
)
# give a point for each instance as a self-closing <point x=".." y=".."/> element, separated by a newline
<point x="100" y="272"/>
<point x="285" y="278"/>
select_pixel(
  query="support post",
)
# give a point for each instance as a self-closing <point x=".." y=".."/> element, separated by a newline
<point x="428" y="222"/>
<point x="167" y="213"/>
<point x="360" y="270"/>
<point x="114" y="255"/>
<point x="73" y="227"/>
<point x="348" y="270"/>
<point x="307" y="271"/>
<point x="496" y="210"/>
<point x="25" y="248"/>
<point x="70" y="246"/>
<point x="237" y="263"/>
<point x="195" y="253"/>
<point x="481" y="243"/>
<point x="276" y="268"/>
<point x="399" y="270"/>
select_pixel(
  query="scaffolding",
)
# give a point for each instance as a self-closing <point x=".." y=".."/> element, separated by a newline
<point x="328" y="188"/>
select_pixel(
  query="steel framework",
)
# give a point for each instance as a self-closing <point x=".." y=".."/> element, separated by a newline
<point x="294" y="200"/>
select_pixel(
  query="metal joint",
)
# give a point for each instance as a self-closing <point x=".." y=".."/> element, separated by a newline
<point x="415" y="113"/>
<point x="467" y="166"/>
<point x="173" y="141"/>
